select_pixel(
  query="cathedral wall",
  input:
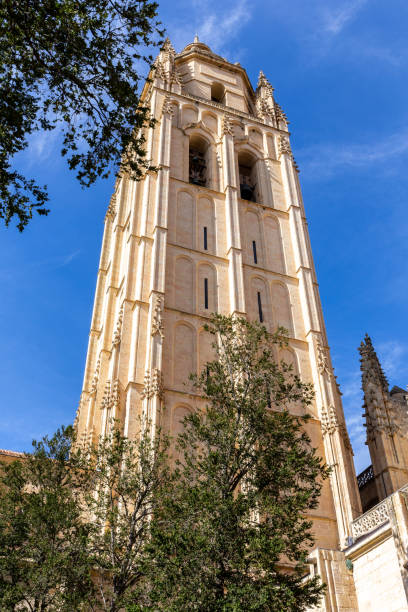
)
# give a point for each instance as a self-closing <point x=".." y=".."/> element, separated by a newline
<point x="377" y="576"/>
<point x="340" y="594"/>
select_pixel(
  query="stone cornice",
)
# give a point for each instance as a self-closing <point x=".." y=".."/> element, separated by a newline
<point x="226" y="109"/>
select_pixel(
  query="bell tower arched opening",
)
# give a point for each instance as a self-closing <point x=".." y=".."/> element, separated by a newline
<point x="198" y="171"/>
<point x="247" y="177"/>
<point x="217" y="93"/>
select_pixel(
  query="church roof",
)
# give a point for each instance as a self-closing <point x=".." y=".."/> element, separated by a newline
<point x="200" y="47"/>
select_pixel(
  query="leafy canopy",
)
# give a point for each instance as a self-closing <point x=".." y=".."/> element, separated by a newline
<point x="74" y="523"/>
<point x="43" y="558"/>
<point x="234" y="534"/>
<point x="73" y="65"/>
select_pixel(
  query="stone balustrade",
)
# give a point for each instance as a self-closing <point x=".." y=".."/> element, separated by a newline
<point x="370" y="520"/>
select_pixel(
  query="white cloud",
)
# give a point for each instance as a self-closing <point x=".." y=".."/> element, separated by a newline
<point x="336" y="20"/>
<point x="216" y="24"/>
<point x="392" y="355"/>
<point x="58" y="261"/>
<point x="321" y="161"/>
<point x="68" y="258"/>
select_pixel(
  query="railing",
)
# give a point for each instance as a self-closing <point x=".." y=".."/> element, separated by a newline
<point x="371" y="519"/>
<point x="365" y="477"/>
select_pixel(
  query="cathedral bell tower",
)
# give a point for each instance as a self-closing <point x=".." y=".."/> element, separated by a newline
<point x="220" y="227"/>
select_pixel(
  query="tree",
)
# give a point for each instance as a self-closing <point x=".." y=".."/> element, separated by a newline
<point x="233" y="535"/>
<point x="43" y="557"/>
<point x="72" y="64"/>
<point x="74" y="522"/>
<point x="122" y="493"/>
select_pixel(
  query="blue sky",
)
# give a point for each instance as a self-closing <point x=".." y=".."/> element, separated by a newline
<point x="339" y="71"/>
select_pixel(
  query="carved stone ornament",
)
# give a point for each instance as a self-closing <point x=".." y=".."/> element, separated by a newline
<point x="157" y="319"/>
<point x="264" y="110"/>
<point x="95" y="378"/>
<point x="329" y="420"/>
<point x="111" y="211"/>
<point x="346" y="438"/>
<point x="111" y="395"/>
<point x="284" y="146"/>
<point x="168" y="50"/>
<point x="157" y="383"/>
<point x="168" y="107"/>
<point x="386" y="420"/>
<point x="153" y="384"/>
<point x="159" y="70"/>
<point x="118" y="329"/>
<point x="280" y="114"/>
<point x="105" y="403"/>
<point x="218" y="158"/>
<point x="371" y="519"/>
<point x="226" y="125"/>
<point x="263" y="82"/>
<point x="323" y="360"/>
<point x="115" y="394"/>
<point x="176" y="77"/>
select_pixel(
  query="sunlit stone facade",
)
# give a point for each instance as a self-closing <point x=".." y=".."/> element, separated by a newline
<point x="220" y="227"/>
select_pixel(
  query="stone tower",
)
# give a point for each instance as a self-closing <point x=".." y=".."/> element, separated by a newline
<point x="386" y="420"/>
<point x="220" y="227"/>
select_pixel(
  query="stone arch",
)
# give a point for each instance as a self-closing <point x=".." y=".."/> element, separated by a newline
<point x="210" y="121"/>
<point x="185" y="219"/>
<point x="282" y="307"/>
<point x="184" y="284"/>
<point x="206" y="227"/>
<point x="203" y="169"/>
<point x="273" y="244"/>
<point x="184" y="350"/>
<point x="207" y="290"/>
<point x="259" y="301"/>
<point x="248" y="168"/>
<point x="217" y="92"/>
<point x="253" y="236"/>
<point x="189" y="114"/>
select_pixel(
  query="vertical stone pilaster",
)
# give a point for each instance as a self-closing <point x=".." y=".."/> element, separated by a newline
<point x="153" y="389"/>
<point x="234" y="249"/>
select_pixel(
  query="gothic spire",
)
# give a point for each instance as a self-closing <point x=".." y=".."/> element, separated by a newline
<point x="370" y="364"/>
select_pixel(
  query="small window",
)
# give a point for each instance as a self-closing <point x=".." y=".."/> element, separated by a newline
<point x="247" y="177"/>
<point x="198" y="161"/>
<point x="260" y="307"/>
<point x="206" y="293"/>
<point x="254" y="250"/>
<point x="217" y="93"/>
<point x="205" y="240"/>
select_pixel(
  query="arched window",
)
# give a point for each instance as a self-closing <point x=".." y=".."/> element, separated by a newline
<point x="247" y="176"/>
<point x="217" y="93"/>
<point x="198" y="166"/>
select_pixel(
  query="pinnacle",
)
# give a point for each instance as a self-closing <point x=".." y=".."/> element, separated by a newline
<point x="167" y="46"/>
<point x="263" y="81"/>
<point x="370" y="362"/>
